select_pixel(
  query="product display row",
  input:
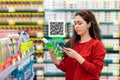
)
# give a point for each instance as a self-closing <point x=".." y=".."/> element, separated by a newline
<point x="15" y="55"/>
<point x="82" y="4"/>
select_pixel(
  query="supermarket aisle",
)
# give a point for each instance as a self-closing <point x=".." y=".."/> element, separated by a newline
<point x="25" y="58"/>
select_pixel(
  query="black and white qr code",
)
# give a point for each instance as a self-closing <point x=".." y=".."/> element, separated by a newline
<point x="56" y="28"/>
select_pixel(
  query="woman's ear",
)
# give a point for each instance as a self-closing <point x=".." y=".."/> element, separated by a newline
<point x="89" y="24"/>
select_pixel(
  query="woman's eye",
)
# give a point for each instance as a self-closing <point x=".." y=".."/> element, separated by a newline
<point x="79" y="23"/>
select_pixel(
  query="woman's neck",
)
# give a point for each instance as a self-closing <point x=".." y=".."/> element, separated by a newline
<point x="85" y="38"/>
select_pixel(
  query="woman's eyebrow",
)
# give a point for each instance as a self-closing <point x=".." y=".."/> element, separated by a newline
<point x="77" y="21"/>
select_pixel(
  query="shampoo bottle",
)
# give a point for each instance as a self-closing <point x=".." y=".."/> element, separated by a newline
<point x="51" y="46"/>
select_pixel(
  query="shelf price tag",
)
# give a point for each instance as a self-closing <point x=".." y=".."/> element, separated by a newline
<point x="116" y="35"/>
<point x="116" y="60"/>
<point x="118" y="47"/>
<point x="116" y="22"/>
<point x="40" y="72"/>
<point x="41" y="47"/>
<point x="40" y="34"/>
<point x="119" y="22"/>
<point x="37" y="47"/>
<point x="116" y="73"/>
<point x="39" y="22"/>
<point x="11" y="9"/>
<point x="40" y="9"/>
<point x="11" y="22"/>
<point x="115" y="48"/>
<point x="40" y="60"/>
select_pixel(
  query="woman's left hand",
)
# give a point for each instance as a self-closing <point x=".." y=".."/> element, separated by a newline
<point x="70" y="52"/>
<point x="73" y="54"/>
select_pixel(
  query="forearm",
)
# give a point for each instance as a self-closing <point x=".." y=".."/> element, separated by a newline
<point x="91" y="67"/>
<point x="80" y="59"/>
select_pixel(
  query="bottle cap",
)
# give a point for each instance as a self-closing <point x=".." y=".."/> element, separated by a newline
<point x="44" y="40"/>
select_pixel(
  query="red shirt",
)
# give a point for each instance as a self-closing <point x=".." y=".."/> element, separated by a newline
<point x="93" y="52"/>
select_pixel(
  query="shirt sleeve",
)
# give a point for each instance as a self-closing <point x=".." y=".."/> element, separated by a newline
<point x="62" y="65"/>
<point x="95" y="66"/>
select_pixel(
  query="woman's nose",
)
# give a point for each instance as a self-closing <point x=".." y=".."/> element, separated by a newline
<point x="76" y="26"/>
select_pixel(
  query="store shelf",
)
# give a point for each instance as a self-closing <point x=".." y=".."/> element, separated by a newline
<point x="21" y="0"/>
<point x="12" y="67"/>
<point x="26" y="23"/>
<point x="29" y="14"/>
<point x="61" y="74"/>
<point x="39" y="51"/>
<point x="112" y="61"/>
<point x="106" y="61"/>
<point x="34" y="10"/>
<point x="25" y="10"/>
<point x="103" y="37"/>
<point x="109" y="37"/>
<point x="74" y="10"/>
<point x="3" y="11"/>
<point x="48" y="61"/>
<point x="32" y="39"/>
<point x="34" y="36"/>
<point x="20" y="23"/>
<point x="51" y="74"/>
<point x="102" y="23"/>
<point x="107" y="74"/>
<point x="19" y="26"/>
<point x="112" y="49"/>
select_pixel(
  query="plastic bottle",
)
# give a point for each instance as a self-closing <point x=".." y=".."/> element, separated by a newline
<point x="50" y="45"/>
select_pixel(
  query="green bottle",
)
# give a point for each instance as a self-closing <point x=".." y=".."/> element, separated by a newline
<point x="51" y="46"/>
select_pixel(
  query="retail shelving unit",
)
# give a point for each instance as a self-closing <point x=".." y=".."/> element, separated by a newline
<point x="21" y="15"/>
<point x="12" y="67"/>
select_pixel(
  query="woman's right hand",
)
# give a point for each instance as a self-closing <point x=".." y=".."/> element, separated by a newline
<point x="53" y="57"/>
<point x="51" y="52"/>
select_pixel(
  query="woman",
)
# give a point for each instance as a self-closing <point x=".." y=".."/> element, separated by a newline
<point x="85" y="51"/>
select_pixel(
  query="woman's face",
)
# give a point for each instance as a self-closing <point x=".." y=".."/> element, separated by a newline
<point x="81" y="26"/>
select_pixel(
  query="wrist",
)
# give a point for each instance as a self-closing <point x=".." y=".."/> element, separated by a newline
<point x="57" y="62"/>
<point x="80" y="59"/>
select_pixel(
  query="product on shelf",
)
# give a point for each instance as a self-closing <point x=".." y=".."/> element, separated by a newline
<point x="35" y="33"/>
<point x="9" y="42"/>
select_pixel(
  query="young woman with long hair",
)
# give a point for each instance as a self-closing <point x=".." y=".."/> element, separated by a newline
<point x="84" y="51"/>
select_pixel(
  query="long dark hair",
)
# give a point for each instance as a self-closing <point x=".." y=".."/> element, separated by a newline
<point x="93" y="30"/>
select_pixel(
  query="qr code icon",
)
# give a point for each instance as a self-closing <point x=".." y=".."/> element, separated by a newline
<point x="56" y="28"/>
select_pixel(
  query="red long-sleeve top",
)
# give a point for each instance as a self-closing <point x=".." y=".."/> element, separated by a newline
<point x="93" y="52"/>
